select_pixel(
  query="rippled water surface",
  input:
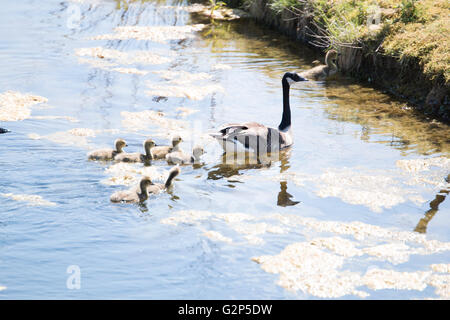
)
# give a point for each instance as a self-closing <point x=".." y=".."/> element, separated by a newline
<point x="358" y="203"/>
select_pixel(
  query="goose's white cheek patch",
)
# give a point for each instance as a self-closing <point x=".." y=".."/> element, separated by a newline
<point x="290" y="81"/>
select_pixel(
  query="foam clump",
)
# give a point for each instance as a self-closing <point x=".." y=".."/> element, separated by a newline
<point x="305" y="267"/>
<point x="184" y="111"/>
<point x="15" y="106"/>
<point x="160" y="34"/>
<point x="217" y="236"/>
<point x="181" y="77"/>
<point x="321" y="266"/>
<point x="127" y="174"/>
<point x="143" y="120"/>
<point x="132" y="57"/>
<point x="378" y="279"/>
<point x="441" y="268"/>
<point x="33" y="200"/>
<point x="76" y="136"/>
<point x="221" y="66"/>
<point x="189" y="91"/>
<point x="220" y="13"/>
<point x="418" y="165"/>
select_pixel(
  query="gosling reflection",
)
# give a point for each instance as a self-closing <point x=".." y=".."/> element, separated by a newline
<point x="434" y="208"/>
<point x="145" y="211"/>
<point x="231" y="166"/>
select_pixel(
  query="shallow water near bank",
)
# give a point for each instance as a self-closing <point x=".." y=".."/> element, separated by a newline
<point x="359" y="203"/>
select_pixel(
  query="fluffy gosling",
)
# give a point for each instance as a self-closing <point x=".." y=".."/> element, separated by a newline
<point x="145" y="187"/>
<point x="179" y="157"/>
<point x="108" y="154"/>
<point x="137" y="156"/>
<point x="160" y="152"/>
<point x="322" y="72"/>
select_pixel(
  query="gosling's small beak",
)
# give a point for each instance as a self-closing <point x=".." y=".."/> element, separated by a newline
<point x="126" y="145"/>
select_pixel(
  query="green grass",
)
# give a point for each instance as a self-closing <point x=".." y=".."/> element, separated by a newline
<point x="416" y="29"/>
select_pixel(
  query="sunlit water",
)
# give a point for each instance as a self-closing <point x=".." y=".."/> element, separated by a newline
<point x="342" y="168"/>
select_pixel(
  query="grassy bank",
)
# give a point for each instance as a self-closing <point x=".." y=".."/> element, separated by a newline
<point x="401" y="45"/>
<point x="400" y="28"/>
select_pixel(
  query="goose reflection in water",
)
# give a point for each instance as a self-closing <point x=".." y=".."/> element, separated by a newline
<point x="230" y="166"/>
<point x="284" y="198"/>
<point x="434" y="208"/>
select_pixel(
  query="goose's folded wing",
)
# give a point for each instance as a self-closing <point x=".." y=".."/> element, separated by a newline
<point x="251" y="135"/>
<point x="230" y="130"/>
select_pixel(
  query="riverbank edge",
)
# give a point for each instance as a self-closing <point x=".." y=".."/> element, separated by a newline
<point x="403" y="79"/>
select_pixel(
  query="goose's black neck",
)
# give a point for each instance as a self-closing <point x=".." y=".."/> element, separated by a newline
<point x="286" y="118"/>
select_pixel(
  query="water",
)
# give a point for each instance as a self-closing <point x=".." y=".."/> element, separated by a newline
<point x="343" y="167"/>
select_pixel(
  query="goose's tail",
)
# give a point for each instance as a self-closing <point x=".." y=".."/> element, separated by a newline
<point x="172" y="174"/>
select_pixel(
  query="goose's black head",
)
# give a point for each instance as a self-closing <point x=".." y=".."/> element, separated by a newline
<point x="291" y="77"/>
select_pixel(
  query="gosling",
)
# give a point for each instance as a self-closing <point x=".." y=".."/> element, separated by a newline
<point x="179" y="157"/>
<point x="142" y="191"/>
<point x="160" y="152"/>
<point x="137" y="156"/>
<point x="108" y="154"/>
<point x="323" y="72"/>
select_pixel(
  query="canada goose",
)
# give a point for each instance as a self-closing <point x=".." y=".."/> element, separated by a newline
<point x="179" y="157"/>
<point x="3" y="130"/>
<point x="137" y="156"/>
<point x="160" y="152"/>
<point x="144" y="188"/>
<point x="108" y="154"/>
<point x="322" y="72"/>
<point x="255" y="136"/>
